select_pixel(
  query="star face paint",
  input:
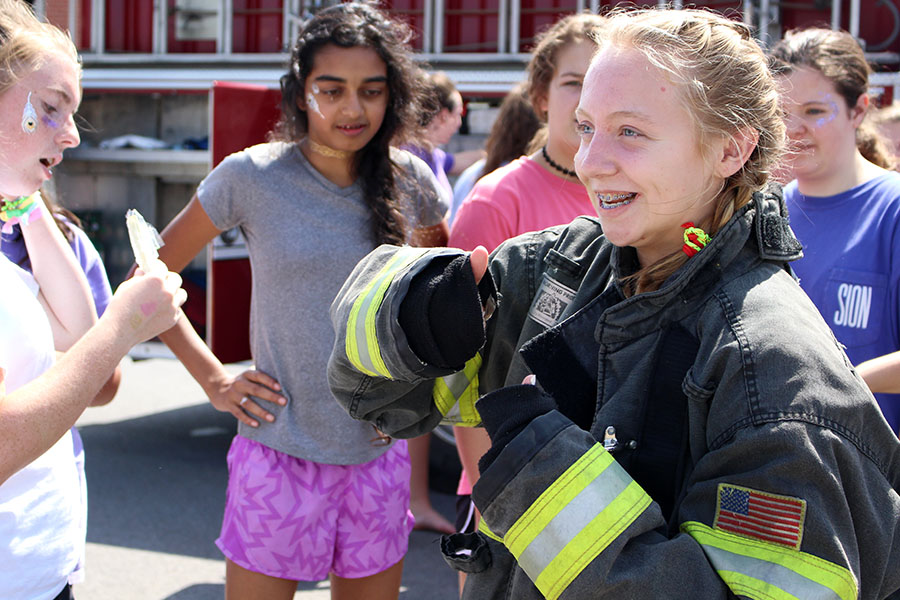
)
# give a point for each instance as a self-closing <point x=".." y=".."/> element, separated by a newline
<point x="29" y="116"/>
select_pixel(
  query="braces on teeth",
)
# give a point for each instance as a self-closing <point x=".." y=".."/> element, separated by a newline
<point x="613" y="200"/>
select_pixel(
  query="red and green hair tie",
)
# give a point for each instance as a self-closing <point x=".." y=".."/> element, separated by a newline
<point x="695" y="239"/>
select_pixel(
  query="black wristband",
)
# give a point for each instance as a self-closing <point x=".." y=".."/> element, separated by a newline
<point x="441" y="313"/>
<point x="506" y="412"/>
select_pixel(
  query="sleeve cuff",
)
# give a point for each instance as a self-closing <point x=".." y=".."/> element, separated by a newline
<point x="506" y="412"/>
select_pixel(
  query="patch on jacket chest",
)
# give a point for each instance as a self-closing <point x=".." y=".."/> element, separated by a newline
<point x="760" y="515"/>
<point x="551" y="300"/>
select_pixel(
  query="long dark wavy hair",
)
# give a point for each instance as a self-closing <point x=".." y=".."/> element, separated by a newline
<point x="353" y="25"/>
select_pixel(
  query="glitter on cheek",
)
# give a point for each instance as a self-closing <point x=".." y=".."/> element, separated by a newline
<point x="29" y="116"/>
<point x="311" y="102"/>
<point x="821" y="121"/>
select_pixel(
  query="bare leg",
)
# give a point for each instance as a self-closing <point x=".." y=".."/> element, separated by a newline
<point x="380" y="586"/>
<point x="471" y="444"/>
<point x="419" y="503"/>
<point x="241" y="584"/>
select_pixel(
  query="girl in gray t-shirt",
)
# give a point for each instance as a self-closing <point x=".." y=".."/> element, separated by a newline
<point x="307" y="483"/>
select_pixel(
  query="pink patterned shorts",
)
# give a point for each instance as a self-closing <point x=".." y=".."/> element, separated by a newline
<point x="295" y="519"/>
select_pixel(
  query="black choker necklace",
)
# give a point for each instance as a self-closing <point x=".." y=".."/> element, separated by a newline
<point x="559" y="168"/>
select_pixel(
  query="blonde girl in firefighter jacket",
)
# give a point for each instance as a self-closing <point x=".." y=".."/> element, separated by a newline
<point x="695" y="430"/>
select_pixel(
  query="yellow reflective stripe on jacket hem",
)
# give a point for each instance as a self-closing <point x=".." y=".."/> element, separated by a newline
<point x="768" y="571"/>
<point x="455" y="395"/>
<point x="361" y="343"/>
<point x="483" y="528"/>
<point x="574" y="520"/>
<point x="750" y="587"/>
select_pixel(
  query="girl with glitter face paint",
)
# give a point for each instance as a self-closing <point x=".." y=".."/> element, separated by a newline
<point x="844" y="202"/>
<point x="312" y="494"/>
<point x="48" y="309"/>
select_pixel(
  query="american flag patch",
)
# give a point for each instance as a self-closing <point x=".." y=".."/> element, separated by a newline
<point x="760" y="515"/>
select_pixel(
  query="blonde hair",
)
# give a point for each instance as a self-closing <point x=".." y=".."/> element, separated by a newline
<point x="25" y="41"/>
<point x="727" y="90"/>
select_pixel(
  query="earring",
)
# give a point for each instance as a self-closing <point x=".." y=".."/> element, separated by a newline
<point x="695" y="239"/>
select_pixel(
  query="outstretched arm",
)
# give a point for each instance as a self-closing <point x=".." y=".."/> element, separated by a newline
<point x="425" y="313"/>
<point x="463" y="160"/>
<point x="35" y="416"/>
<point x="882" y="374"/>
<point x="109" y="389"/>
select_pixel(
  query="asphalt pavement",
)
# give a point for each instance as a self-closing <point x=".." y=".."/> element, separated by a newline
<point x="155" y="462"/>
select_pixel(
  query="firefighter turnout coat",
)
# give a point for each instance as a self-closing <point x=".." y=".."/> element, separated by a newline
<point x="711" y="438"/>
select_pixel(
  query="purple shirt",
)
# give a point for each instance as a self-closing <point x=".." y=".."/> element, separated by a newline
<point x="440" y="163"/>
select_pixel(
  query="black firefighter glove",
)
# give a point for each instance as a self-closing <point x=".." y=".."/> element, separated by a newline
<point x="441" y="313"/>
<point x="506" y="412"/>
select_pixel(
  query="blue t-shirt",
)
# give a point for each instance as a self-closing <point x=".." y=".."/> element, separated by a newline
<point x="851" y="267"/>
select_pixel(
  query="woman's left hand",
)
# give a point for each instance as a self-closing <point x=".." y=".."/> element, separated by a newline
<point x="241" y="395"/>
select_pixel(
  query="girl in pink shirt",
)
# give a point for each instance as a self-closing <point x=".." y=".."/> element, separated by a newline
<point x="539" y="190"/>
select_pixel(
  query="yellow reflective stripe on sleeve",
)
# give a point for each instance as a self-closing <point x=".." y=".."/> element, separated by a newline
<point x="574" y="520"/>
<point x="483" y="528"/>
<point x="455" y="395"/>
<point x="361" y="339"/>
<point x="765" y="571"/>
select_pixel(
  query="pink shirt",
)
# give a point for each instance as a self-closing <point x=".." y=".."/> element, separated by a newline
<point x="515" y="199"/>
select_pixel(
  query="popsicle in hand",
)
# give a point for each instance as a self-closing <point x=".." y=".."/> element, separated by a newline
<point x="145" y="241"/>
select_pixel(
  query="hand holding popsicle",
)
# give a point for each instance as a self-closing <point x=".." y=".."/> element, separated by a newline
<point x="150" y="304"/>
<point x="145" y="241"/>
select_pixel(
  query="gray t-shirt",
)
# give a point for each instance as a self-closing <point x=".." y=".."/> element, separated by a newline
<point x="304" y="234"/>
